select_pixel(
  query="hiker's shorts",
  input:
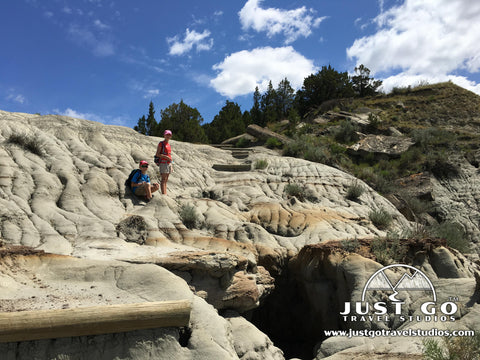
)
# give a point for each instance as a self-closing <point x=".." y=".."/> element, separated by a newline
<point x="165" y="168"/>
<point x="141" y="190"/>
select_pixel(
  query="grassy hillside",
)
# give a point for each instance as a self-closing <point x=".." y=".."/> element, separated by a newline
<point x="443" y="105"/>
<point x="443" y="120"/>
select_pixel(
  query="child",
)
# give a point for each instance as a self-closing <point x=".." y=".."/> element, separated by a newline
<point x="141" y="183"/>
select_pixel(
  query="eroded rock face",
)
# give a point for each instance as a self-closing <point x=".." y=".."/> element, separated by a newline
<point x="251" y="343"/>
<point x="66" y="196"/>
<point x="223" y="279"/>
<point x="74" y="191"/>
<point x="453" y="197"/>
<point x="328" y="278"/>
<point x="69" y="198"/>
<point x="36" y="281"/>
<point x="389" y="146"/>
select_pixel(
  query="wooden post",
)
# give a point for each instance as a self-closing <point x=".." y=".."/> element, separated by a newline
<point x="47" y="324"/>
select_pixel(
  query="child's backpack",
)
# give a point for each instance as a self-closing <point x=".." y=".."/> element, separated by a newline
<point x="128" y="182"/>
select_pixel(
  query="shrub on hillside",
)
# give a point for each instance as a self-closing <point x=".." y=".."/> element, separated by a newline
<point x="316" y="154"/>
<point x="454" y="234"/>
<point x="260" y="164"/>
<point x="439" y="165"/>
<point x="410" y="160"/>
<point x="350" y="245"/>
<point x="354" y="191"/>
<point x="451" y="348"/>
<point x="296" y="147"/>
<point x="436" y="137"/>
<point x="401" y="90"/>
<point x="242" y="143"/>
<point x="380" y="218"/>
<point x="373" y="123"/>
<point x="134" y="228"/>
<point x="273" y="143"/>
<point x="308" y="148"/>
<point x="416" y="205"/>
<point x="346" y="133"/>
<point x="28" y="142"/>
<point x="189" y="216"/>
<point x="417" y="232"/>
<point x="388" y="250"/>
<point x="381" y="181"/>
<point x="295" y="190"/>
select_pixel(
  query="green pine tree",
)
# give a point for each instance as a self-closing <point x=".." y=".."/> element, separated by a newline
<point x="268" y="105"/>
<point x="363" y="84"/>
<point x="151" y="123"/>
<point x="184" y="122"/>
<point x="325" y="85"/>
<point x="141" y="127"/>
<point x="255" y="111"/>
<point x="285" y="95"/>
<point x="227" y="124"/>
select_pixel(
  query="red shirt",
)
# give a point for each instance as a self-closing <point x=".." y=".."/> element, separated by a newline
<point x="165" y="150"/>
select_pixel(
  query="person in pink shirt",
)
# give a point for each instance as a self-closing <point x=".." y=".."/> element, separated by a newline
<point x="164" y="154"/>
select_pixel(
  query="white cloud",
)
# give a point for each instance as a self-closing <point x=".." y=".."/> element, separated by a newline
<point x="405" y="80"/>
<point x="423" y="39"/>
<point x="151" y="93"/>
<point x="241" y="72"/>
<point x="191" y="39"/>
<point x="201" y="79"/>
<point x="80" y="115"/>
<point x="144" y="89"/>
<point x="100" y="46"/>
<point x="273" y="21"/>
<point x="18" y="98"/>
<point x="98" y="24"/>
<point x="119" y="120"/>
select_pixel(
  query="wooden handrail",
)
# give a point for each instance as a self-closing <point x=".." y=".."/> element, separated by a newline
<point x="48" y="324"/>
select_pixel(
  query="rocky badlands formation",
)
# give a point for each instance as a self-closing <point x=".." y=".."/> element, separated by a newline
<point x="266" y="272"/>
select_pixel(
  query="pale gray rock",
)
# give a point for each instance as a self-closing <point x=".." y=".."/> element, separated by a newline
<point x="392" y="146"/>
<point x="46" y="281"/>
<point x="68" y="198"/>
<point x="222" y="279"/>
<point x="456" y="199"/>
<point x="360" y="118"/>
<point x="447" y="265"/>
<point x="247" y="138"/>
<point x="71" y="200"/>
<point x="380" y="349"/>
<point x="321" y="270"/>
<point x="265" y="133"/>
<point x="333" y="346"/>
<point x="394" y="131"/>
<point x="250" y="343"/>
<point x="135" y="345"/>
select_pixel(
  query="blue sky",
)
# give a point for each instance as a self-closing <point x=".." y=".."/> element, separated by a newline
<point x="104" y="60"/>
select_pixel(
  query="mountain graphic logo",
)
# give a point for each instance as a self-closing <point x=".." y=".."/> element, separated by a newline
<point x="400" y="277"/>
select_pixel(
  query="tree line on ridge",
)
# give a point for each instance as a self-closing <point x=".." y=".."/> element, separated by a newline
<point x="274" y="105"/>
